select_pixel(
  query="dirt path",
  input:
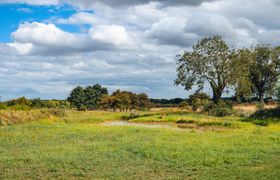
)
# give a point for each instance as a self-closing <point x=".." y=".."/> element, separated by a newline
<point x="172" y="126"/>
<point x="153" y="125"/>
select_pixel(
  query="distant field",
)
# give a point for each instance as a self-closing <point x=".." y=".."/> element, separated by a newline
<point x="79" y="145"/>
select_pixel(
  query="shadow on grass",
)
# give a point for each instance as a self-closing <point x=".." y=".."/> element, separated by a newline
<point x="264" y="116"/>
<point x="135" y="115"/>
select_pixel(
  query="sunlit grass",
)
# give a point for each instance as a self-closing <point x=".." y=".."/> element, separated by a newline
<point x="77" y="146"/>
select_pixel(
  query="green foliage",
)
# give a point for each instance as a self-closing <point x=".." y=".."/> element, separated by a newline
<point x="261" y="122"/>
<point x="240" y="74"/>
<point x="183" y="105"/>
<point x="38" y="103"/>
<point x="220" y="109"/>
<point x="124" y="101"/>
<point x="182" y="121"/>
<point x="88" y="97"/>
<point x="277" y="94"/>
<point x="22" y="101"/>
<point x="209" y="60"/>
<point x="198" y="100"/>
<point x="267" y="114"/>
<point x="93" y="95"/>
<point x="3" y="106"/>
<point x="77" y="97"/>
<point x="161" y="103"/>
<point x="264" y="70"/>
<point x="82" y="108"/>
<point x="142" y="101"/>
<point x="132" y="115"/>
<point x="27" y="104"/>
<point x="20" y="107"/>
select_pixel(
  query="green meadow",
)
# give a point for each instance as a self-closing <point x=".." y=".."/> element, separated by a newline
<point x="84" y="145"/>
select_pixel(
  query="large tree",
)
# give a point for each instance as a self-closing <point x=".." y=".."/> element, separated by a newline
<point x="209" y="61"/>
<point x="264" y="70"/>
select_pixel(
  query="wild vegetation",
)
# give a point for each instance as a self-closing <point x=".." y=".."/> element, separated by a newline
<point x="82" y="145"/>
<point x="95" y="134"/>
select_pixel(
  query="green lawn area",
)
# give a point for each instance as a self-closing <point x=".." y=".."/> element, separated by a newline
<point x="79" y="147"/>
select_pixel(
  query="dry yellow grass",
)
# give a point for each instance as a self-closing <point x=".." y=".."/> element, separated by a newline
<point x="249" y="109"/>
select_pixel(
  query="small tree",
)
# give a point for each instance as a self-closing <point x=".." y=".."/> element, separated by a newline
<point x="143" y="101"/>
<point x="106" y="102"/>
<point x="209" y="61"/>
<point x="198" y="100"/>
<point x="240" y="74"/>
<point x="122" y="100"/>
<point x="183" y="105"/>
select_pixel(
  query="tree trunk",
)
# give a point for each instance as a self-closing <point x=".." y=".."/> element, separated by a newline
<point x="217" y="94"/>
<point x="261" y="97"/>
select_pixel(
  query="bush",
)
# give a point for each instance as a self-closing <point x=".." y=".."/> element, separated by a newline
<point x="183" y="105"/>
<point x="3" y="106"/>
<point x="20" y="107"/>
<point x="221" y="109"/>
<point x="132" y="115"/>
<point x="198" y="100"/>
<point x="82" y="108"/>
<point x="261" y="122"/>
<point x="267" y="114"/>
<point x="182" y="121"/>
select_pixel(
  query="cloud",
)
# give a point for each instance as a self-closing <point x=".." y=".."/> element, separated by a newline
<point x="21" y="48"/>
<point x="85" y="4"/>
<point x="164" y="34"/>
<point x="124" y="44"/>
<point x="111" y="34"/>
<point x="25" y="10"/>
<point x="40" y="38"/>
<point x="79" y="18"/>
<point x="42" y="34"/>
<point x="114" y="3"/>
<point x="209" y="25"/>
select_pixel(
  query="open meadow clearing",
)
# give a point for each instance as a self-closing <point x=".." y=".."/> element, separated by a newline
<point x="83" y="145"/>
<point x="140" y="89"/>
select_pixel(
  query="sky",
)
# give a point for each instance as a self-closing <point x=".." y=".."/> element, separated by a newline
<point x="47" y="47"/>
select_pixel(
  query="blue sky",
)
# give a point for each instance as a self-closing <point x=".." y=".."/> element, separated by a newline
<point x="47" y="47"/>
<point x="15" y="14"/>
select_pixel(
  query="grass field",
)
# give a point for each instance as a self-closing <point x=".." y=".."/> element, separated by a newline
<point x="79" y="146"/>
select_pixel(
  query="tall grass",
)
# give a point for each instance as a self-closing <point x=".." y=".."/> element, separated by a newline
<point x="12" y="117"/>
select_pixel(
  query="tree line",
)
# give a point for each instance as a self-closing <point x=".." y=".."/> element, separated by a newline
<point x="97" y="97"/>
<point x="249" y="72"/>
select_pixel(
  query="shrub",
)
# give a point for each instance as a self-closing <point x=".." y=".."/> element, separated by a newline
<point x="183" y="105"/>
<point x="182" y="121"/>
<point x="261" y="122"/>
<point x="20" y="107"/>
<point x="82" y="108"/>
<point x="213" y="123"/>
<point x="132" y="115"/>
<point x="221" y="109"/>
<point x="199" y="100"/>
<point x="3" y="106"/>
<point x="267" y="114"/>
